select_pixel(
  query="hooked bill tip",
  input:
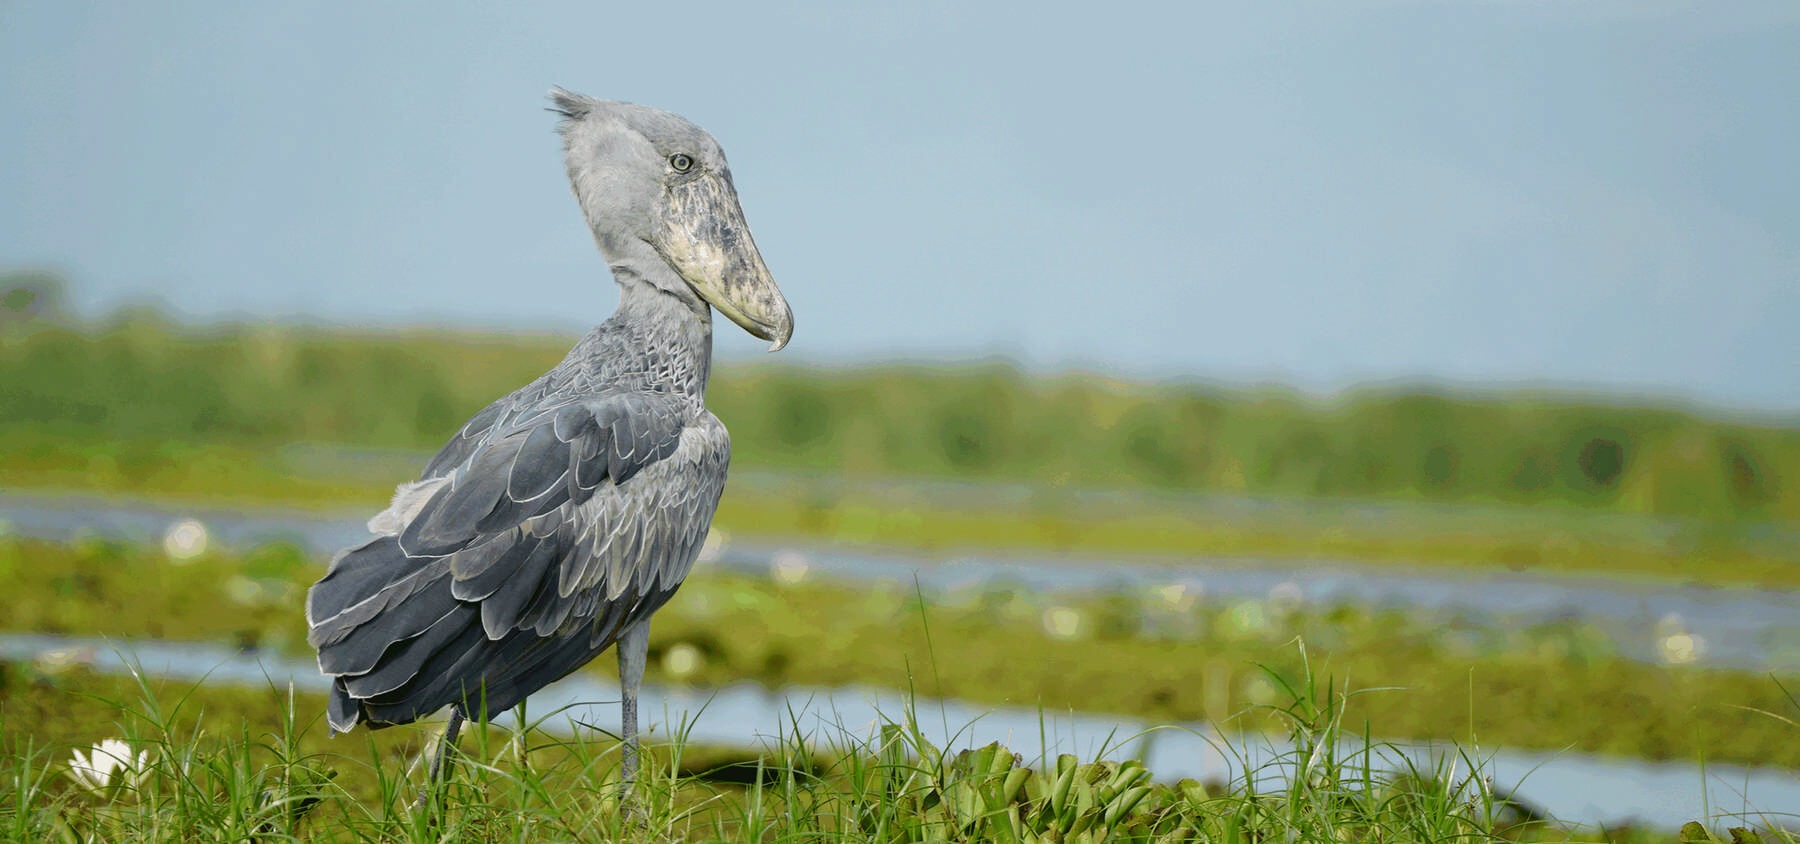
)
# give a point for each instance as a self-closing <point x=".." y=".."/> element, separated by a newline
<point x="784" y="329"/>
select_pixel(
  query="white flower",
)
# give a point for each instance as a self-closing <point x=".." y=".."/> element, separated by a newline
<point x="681" y="660"/>
<point x="1179" y="597"/>
<point x="243" y="591"/>
<point x="789" y="567"/>
<point x="58" y="660"/>
<point x="1062" y="622"/>
<point x="1681" y="648"/>
<point x="109" y="762"/>
<point x="1675" y="643"/>
<point x="185" y="540"/>
<point x="713" y="545"/>
<point x="1286" y="597"/>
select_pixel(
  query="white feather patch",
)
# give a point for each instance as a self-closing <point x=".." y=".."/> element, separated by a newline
<point x="408" y="499"/>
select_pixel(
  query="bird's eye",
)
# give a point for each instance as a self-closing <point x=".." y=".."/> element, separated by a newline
<point x="681" y="162"/>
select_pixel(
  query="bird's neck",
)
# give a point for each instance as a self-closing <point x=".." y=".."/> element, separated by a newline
<point x="661" y="316"/>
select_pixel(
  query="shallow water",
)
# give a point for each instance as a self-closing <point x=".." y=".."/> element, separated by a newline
<point x="1756" y="629"/>
<point x="1573" y="787"/>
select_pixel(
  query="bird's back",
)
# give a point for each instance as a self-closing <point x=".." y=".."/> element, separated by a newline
<point x="553" y="520"/>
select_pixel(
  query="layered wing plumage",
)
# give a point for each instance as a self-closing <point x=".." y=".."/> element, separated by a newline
<point x="533" y="539"/>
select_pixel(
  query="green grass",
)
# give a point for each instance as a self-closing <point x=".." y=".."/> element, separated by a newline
<point x="234" y="764"/>
<point x="1164" y="657"/>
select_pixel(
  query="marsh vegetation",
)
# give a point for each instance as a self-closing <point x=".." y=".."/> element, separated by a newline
<point x="935" y="461"/>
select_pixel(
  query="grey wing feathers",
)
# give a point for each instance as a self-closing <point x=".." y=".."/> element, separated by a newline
<point x="556" y="528"/>
<point x="549" y="458"/>
<point x="470" y="437"/>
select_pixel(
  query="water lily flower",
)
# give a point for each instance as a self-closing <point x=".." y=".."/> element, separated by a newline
<point x="58" y="660"/>
<point x="1179" y="597"/>
<point x="185" y="540"/>
<point x="1681" y="648"/>
<point x="713" y="545"/>
<point x="109" y="762"/>
<point x="790" y="567"/>
<point x="681" y="660"/>
<point x="1285" y="597"/>
<point x="1675" y="643"/>
<point x="1062" y="622"/>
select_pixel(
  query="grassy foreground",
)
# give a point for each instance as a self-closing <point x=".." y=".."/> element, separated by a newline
<point x="1166" y="656"/>
<point x="208" y="764"/>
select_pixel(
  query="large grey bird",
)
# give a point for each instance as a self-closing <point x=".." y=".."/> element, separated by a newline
<point x="561" y="516"/>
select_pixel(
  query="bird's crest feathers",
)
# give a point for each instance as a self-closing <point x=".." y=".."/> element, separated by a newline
<point x="570" y="105"/>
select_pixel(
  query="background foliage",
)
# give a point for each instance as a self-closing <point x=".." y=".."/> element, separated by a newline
<point x="139" y="379"/>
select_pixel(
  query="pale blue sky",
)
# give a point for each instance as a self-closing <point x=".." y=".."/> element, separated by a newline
<point x="1600" y="194"/>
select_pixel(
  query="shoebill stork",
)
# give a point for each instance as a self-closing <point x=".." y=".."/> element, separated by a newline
<point x="559" y="518"/>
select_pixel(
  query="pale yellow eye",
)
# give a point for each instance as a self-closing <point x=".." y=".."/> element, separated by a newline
<point x="681" y="162"/>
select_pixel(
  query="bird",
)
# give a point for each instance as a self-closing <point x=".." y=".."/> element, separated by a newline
<point x="559" y="518"/>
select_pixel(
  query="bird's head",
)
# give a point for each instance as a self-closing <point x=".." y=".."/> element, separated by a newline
<point x="648" y="179"/>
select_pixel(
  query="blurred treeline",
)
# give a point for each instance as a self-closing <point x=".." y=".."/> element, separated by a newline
<point x="141" y="378"/>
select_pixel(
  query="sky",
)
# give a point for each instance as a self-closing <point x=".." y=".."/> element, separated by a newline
<point x="1597" y="196"/>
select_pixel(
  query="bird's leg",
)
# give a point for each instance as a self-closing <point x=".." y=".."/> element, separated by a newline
<point x="446" y="745"/>
<point x="440" y="760"/>
<point x="634" y="648"/>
